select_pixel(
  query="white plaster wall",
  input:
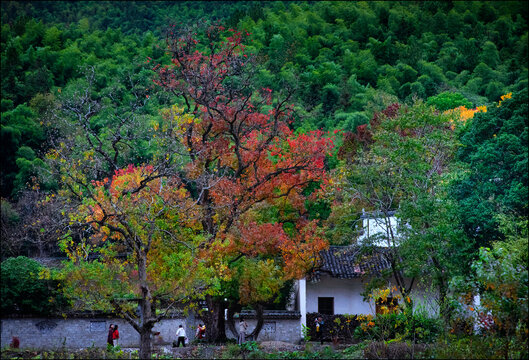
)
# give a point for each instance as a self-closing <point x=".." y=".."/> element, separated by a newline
<point x="347" y="298"/>
<point x="302" y="298"/>
<point x="425" y="299"/>
<point x="377" y="226"/>
<point x="346" y="293"/>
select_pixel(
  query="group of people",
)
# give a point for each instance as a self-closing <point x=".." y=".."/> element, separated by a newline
<point x="201" y="333"/>
<point x="113" y="335"/>
<point x="181" y="335"/>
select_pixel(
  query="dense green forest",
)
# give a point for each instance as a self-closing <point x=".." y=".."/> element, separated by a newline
<point x="346" y="59"/>
<point x="364" y="92"/>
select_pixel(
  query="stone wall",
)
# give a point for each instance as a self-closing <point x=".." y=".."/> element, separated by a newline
<point x="76" y="333"/>
<point x="51" y="333"/>
<point x="279" y="325"/>
<point x="287" y="330"/>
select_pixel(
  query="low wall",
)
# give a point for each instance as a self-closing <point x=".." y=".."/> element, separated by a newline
<point x="72" y="333"/>
<point x="274" y="330"/>
<point x="278" y="325"/>
<point x="76" y="333"/>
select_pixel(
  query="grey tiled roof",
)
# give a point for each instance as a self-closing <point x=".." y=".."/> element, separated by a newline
<point x="347" y="262"/>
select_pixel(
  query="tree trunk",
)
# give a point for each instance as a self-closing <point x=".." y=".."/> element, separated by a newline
<point x="231" y="322"/>
<point x="260" y="321"/>
<point x="444" y="308"/>
<point x="147" y="320"/>
<point x="214" y="320"/>
<point x="145" y="342"/>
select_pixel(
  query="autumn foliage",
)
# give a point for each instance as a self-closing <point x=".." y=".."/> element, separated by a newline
<point x="241" y="149"/>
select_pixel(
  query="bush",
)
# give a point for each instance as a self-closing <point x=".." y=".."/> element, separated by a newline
<point x="470" y="347"/>
<point x="355" y="351"/>
<point x="401" y="326"/>
<point x="23" y="291"/>
<point x="392" y="350"/>
<point x="326" y="353"/>
<point x="448" y="100"/>
<point x="335" y="327"/>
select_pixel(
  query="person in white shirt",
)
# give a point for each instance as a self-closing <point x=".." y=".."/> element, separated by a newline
<point x="181" y="335"/>
<point x="242" y="331"/>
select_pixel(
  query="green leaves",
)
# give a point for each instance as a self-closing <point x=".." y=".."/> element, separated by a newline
<point x="448" y="100"/>
<point x="24" y="291"/>
<point x="495" y="153"/>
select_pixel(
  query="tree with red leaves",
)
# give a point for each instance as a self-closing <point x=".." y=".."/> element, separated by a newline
<point x="241" y="156"/>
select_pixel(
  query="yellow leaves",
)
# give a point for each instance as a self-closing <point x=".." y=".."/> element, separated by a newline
<point x="88" y="155"/>
<point x="366" y="322"/>
<point x="45" y="274"/>
<point x="503" y="97"/>
<point x="464" y="114"/>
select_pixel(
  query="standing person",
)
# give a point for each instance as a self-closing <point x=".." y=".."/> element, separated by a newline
<point x="15" y="343"/>
<point x="115" y="335"/>
<point x="242" y="331"/>
<point x="319" y="328"/>
<point x="110" y="338"/>
<point x="201" y="331"/>
<point x="181" y="335"/>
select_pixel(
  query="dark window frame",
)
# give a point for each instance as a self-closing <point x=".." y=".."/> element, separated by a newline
<point x="325" y="305"/>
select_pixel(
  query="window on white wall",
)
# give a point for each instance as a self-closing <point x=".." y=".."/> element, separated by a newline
<point x="326" y="305"/>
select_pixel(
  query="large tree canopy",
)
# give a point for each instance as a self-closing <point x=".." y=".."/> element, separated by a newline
<point x="494" y="148"/>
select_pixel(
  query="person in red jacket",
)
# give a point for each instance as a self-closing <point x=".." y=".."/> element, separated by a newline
<point x="115" y="335"/>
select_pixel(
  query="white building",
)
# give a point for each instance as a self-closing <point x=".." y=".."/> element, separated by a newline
<point x="335" y="287"/>
<point x="378" y="229"/>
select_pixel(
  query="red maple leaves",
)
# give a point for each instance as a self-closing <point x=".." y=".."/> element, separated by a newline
<point x="241" y="149"/>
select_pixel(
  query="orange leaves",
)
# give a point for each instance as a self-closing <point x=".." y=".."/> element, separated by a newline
<point x="129" y="201"/>
<point x="256" y="239"/>
<point x="465" y="114"/>
<point x="300" y="252"/>
<point x="241" y="154"/>
<point x="503" y="97"/>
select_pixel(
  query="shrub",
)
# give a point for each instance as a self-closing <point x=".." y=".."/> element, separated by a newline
<point x="468" y="347"/>
<point x="335" y="327"/>
<point x="448" y="100"/>
<point x="355" y="351"/>
<point x="23" y="290"/>
<point x="392" y="350"/>
<point x="401" y="326"/>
